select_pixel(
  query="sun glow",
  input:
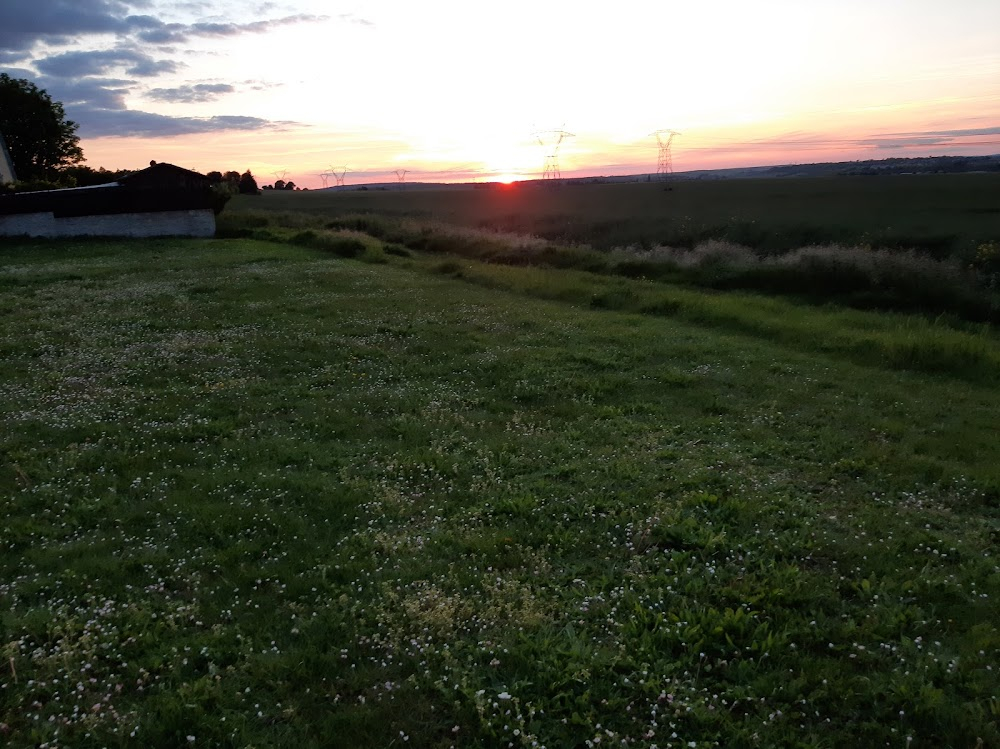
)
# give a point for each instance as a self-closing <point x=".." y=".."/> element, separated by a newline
<point x="508" y="178"/>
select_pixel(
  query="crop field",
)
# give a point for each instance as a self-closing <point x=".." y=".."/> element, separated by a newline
<point x="943" y="214"/>
<point x="314" y="486"/>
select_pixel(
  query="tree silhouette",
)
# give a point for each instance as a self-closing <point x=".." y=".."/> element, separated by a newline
<point x="39" y="137"/>
<point x="248" y="185"/>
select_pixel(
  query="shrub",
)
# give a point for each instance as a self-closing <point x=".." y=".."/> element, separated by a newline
<point x="370" y="225"/>
<point x="859" y="276"/>
<point x="220" y="196"/>
<point x="987" y="264"/>
<point x="448" y="268"/>
<point x="37" y="185"/>
<point x="340" y="246"/>
<point x="391" y="248"/>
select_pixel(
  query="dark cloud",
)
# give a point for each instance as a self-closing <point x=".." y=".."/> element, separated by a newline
<point x="200" y="92"/>
<point x="94" y="84"/>
<point x="9" y="56"/>
<point x="102" y="123"/>
<point x="24" y="22"/>
<point x="81" y="63"/>
<point x="168" y="33"/>
<point x="928" y="138"/>
<point x="971" y="132"/>
<point x="146" y="67"/>
<point x="29" y="75"/>
<point x="97" y="93"/>
<point x="173" y="33"/>
<point x="897" y="143"/>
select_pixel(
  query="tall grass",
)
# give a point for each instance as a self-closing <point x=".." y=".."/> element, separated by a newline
<point x="855" y="276"/>
<point x="858" y="276"/>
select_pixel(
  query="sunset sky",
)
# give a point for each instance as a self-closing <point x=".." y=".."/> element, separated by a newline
<point x="454" y="90"/>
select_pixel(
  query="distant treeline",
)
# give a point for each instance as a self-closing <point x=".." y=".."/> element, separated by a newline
<point x="230" y="182"/>
<point x="900" y="165"/>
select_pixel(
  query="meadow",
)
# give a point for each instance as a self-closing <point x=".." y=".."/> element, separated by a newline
<point x="309" y="486"/>
<point x="928" y="244"/>
<point x="943" y="214"/>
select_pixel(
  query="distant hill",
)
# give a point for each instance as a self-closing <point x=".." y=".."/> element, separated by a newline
<point x="918" y="165"/>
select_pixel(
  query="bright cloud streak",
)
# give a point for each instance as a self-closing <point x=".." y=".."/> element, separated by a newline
<point x="447" y="88"/>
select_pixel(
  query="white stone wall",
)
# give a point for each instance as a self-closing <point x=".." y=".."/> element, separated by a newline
<point x="195" y="223"/>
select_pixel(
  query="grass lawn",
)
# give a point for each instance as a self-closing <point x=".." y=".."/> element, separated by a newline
<point x="254" y="494"/>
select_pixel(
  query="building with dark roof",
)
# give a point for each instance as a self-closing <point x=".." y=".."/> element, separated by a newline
<point x="163" y="200"/>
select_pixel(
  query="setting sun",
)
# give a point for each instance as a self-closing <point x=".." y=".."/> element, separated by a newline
<point x="508" y="178"/>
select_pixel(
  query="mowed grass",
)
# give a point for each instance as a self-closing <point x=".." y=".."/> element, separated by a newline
<point x="257" y="494"/>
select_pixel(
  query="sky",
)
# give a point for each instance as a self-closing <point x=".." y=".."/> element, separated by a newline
<point x="458" y="90"/>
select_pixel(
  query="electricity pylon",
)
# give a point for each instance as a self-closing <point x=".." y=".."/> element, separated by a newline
<point x="550" y="140"/>
<point x="280" y="174"/>
<point x="401" y="175"/>
<point x="665" y="162"/>
<point x="338" y="172"/>
<point x="325" y="176"/>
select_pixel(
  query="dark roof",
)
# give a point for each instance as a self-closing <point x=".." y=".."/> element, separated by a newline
<point x="165" y="175"/>
<point x="161" y="187"/>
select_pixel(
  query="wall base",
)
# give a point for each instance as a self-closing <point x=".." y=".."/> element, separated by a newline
<point x="193" y="223"/>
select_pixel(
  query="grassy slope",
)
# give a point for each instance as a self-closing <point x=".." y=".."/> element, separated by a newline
<point x="255" y="494"/>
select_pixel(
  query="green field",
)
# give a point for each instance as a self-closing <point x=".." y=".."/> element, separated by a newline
<point x="927" y="244"/>
<point x="332" y="489"/>
<point x="939" y="213"/>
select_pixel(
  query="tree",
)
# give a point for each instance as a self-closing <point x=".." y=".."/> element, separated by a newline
<point x="83" y="176"/>
<point x="288" y="186"/>
<point x="279" y="184"/>
<point x="39" y="137"/>
<point x="248" y="185"/>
